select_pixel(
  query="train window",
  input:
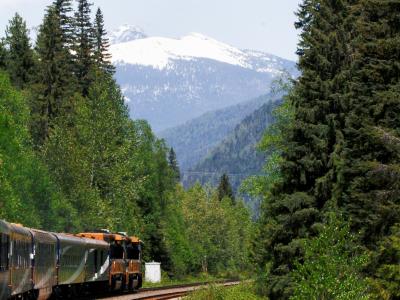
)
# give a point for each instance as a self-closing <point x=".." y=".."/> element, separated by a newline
<point x="4" y="242"/>
<point x="95" y="261"/>
<point x="133" y="252"/>
<point x="116" y="251"/>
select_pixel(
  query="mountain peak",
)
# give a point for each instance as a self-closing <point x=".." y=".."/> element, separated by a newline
<point x="198" y="35"/>
<point x="126" y="33"/>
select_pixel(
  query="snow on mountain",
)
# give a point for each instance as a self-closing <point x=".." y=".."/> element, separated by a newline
<point x="131" y="46"/>
<point x="169" y="81"/>
<point x="126" y="33"/>
<point x="158" y="52"/>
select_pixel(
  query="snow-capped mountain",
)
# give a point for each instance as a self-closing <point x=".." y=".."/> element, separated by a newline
<point x="126" y="33"/>
<point x="169" y="81"/>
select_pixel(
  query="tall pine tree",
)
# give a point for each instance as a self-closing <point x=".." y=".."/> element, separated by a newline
<point x="294" y="207"/>
<point x="84" y="45"/>
<point x="370" y="154"/>
<point x="225" y="188"/>
<point x="54" y="79"/>
<point x="101" y="50"/>
<point x="63" y="9"/>
<point x="20" y="61"/>
<point x="3" y="55"/>
<point x="173" y="164"/>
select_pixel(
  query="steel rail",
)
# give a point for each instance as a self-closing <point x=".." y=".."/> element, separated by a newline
<point x="168" y="292"/>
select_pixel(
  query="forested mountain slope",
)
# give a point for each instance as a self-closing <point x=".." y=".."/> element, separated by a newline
<point x="193" y="140"/>
<point x="237" y="154"/>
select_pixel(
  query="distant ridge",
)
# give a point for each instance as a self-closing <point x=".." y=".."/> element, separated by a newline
<point x="193" y="140"/>
<point x="237" y="154"/>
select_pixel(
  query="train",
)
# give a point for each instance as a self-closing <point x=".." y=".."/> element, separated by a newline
<point x="41" y="265"/>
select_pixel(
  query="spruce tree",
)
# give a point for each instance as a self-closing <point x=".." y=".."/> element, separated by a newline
<point x="295" y="204"/>
<point x="54" y="80"/>
<point x="101" y="52"/>
<point x="370" y="156"/>
<point x="63" y="9"/>
<point x="225" y="188"/>
<point x="173" y="164"/>
<point x="3" y="55"/>
<point x="20" y="60"/>
<point x="84" y="45"/>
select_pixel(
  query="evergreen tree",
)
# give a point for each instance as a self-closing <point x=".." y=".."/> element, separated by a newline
<point x="92" y="153"/>
<point x="101" y="54"/>
<point x="84" y="45"/>
<point x="294" y="204"/>
<point x="370" y="157"/>
<point x="54" y="80"/>
<point x="369" y="160"/>
<point x="63" y="9"/>
<point x="20" y="60"/>
<point x="3" y="55"/>
<point x="225" y="188"/>
<point x="173" y="164"/>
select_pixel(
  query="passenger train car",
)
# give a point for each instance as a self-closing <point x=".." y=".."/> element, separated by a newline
<point x="36" y="264"/>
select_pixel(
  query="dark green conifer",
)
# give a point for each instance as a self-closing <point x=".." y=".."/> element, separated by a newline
<point x="101" y="51"/>
<point x="173" y="164"/>
<point x="3" y="55"/>
<point x="294" y="208"/>
<point x="20" y="60"/>
<point x="225" y="188"/>
<point x="370" y="157"/>
<point x="54" y="79"/>
<point x="84" y="45"/>
<point x="63" y="9"/>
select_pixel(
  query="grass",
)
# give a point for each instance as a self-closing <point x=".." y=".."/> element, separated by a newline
<point x="166" y="281"/>
<point x="243" y="291"/>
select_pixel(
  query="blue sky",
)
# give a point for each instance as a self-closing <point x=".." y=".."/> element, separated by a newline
<point x="265" y="25"/>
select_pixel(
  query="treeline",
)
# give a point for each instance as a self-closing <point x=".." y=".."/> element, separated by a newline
<point x="331" y="211"/>
<point x="208" y="231"/>
<point x="72" y="160"/>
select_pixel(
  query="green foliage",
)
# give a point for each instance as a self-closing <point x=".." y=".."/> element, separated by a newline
<point x="173" y="164"/>
<point x="340" y="151"/>
<point x="3" y="54"/>
<point x="53" y="83"/>
<point x="63" y="9"/>
<point x="205" y="234"/>
<point x="194" y="139"/>
<point x="19" y="60"/>
<point x="83" y="45"/>
<point x="386" y="280"/>
<point x="244" y="291"/>
<point x="225" y="189"/>
<point x="369" y="154"/>
<point x="331" y="267"/>
<point x="101" y="45"/>
<point x="27" y="194"/>
<point x="89" y="153"/>
<point x="273" y="145"/>
<point x="237" y="155"/>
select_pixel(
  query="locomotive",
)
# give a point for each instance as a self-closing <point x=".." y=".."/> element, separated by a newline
<point x="36" y="264"/>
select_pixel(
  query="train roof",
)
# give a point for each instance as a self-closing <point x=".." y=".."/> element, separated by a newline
<point x="88" y="237"/>
<point x="4" y="227"/>
<point x="109" y="237"/>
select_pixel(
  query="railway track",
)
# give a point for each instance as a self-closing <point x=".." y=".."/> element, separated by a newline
<point x="165" y="293"/>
